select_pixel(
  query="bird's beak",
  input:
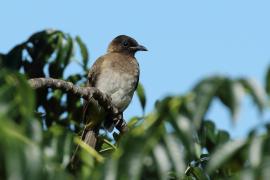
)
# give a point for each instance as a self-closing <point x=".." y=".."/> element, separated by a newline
<point x="139" y="48"/>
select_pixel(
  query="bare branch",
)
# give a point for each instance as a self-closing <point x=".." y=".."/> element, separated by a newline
<point x="86" y="93"/>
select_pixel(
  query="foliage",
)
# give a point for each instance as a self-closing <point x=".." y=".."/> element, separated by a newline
<point x="175" y="141"/>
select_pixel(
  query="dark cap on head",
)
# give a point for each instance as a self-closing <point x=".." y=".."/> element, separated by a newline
<point x="125" y="44"/>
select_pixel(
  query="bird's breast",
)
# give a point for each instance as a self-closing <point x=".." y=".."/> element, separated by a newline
<point x="119" y="85"/>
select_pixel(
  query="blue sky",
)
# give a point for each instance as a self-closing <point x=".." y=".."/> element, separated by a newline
<point x="187" y="40"/>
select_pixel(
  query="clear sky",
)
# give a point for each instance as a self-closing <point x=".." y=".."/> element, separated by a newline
<point x="187" y="40"/>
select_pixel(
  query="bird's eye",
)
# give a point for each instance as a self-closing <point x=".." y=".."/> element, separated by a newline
<point x="125" y="43"/>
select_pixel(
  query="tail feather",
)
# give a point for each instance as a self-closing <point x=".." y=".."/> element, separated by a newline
<point x="93" y="117"/>
<point x="90" y="138"/>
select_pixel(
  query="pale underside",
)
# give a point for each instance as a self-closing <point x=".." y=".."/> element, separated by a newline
<point x="120" y="86"/>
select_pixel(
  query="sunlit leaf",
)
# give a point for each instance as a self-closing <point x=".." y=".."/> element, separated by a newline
<point x="176" y="154"/>
<point x="224" y="153"/>
<point x="16" y="92"/>
<point x="89" y="150"/>
<point x="230" y="93"/>
<point x="163" y="162"/>
<point x="185" y="131"/>
<point x="110" y="170"/>
<point x="133" y="121"/>
<point x="256" y="92"/>
<point x="204" y="92"/>
<point x="255" y="151"/>
<point x="109" y="144"/>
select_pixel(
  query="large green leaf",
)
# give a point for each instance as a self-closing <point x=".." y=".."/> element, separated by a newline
<point x="230" y="93"/>
<point x="211" y="138"/>
<point x="256" y="91"/>
<point x="84" y="52"/>
<point x="162" y="161"/>
<point x="255" y="151"/>
<point x="16" y="96"/>
<point x="223" y="154"/>
<point x="204" y="93"/>
<point x="176" y="154"/>
<point x="185" y="131"/>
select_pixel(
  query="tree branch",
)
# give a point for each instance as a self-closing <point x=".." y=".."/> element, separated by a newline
<point x="86" y="93"/>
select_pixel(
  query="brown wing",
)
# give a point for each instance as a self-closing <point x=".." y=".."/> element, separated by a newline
<point x="88" y="136"/>
<point x="95" y="71"/>
<point x="92" y="78"/>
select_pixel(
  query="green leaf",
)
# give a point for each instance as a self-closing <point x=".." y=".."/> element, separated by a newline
<point x="13" y="60"/>
<point x="162" y="161"/>
<point x="66" y="149"/>
<point x="265" y="170"/>
<point x="185" y="131"/>
<point x="109" y="144"/>
<point x="210" y="130"/>
<point x="133" y="122"/>
<point x="204" y="93"/>
<point x="207" y="135"/>
<point x="230" y="93"/>
<point x="54" y="70"/>
<point x="256" y="91"/>
<point x="13" y="133"/>
<point x="188" y="178"/>
<point x="89" y="150"/>
<point x="255" y="151"/>
<point x="141" y="94"/>
<point x="223" y="137"/>
<point x="248" y="174"/>
<point x="110" y="170"/>
<point x="198" y="173"/>
<point x="16" y="94"/>
<point x="84" y="52"/>
<point x="223" y="154"/>
<point x="68" y="50"/>
<point x="176" y="155"/>
<point x="64" y="53"/>
<point x="267" y="81"/>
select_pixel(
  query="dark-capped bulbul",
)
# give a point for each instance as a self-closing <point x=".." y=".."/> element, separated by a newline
<point x="116" y="74"/>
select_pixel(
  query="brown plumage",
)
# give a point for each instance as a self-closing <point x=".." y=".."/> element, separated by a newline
<point x="116" y="74"/>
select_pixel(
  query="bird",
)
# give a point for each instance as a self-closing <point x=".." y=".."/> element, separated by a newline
<point x="115" y="74"/>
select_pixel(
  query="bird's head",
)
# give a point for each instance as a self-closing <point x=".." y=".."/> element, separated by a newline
<point x="125" y="44"/>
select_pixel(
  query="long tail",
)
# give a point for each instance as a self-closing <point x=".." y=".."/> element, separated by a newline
<point x="90" y="138"/>
<point x="93" y="115"/>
